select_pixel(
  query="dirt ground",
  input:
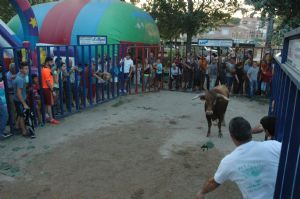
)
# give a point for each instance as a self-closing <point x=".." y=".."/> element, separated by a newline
<point x="137" y="147"/>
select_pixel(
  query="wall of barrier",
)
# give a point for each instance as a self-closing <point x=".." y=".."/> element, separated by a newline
<point x="87" y="75"/>
<point x="286" y="100"/>
<point x="216" y="57"/>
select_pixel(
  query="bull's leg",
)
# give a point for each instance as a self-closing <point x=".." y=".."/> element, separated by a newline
<point x="220" y="126"/>
<point x="209" y="125"/>
<point x="223" y="122"/>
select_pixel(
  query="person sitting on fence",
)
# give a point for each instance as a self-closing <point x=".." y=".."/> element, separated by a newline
<point x="252" y="165"/>
<point x="19" y="84"/>
<point x="174" y="77"/>
<point x="252" y="76"/>
<point x="48" y="89"/>
<point x="37" y="104"/>
<point x="10" y="76"/>
<point x="128" y="65"/>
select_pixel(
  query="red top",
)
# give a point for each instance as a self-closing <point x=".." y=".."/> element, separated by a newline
<point x="266" y="73"/>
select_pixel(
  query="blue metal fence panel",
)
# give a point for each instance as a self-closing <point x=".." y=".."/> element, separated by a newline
<point x="77" y="86"/>
<point x="286" y="92"/>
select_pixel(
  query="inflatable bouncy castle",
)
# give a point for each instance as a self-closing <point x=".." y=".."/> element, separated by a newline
<point x="61" y="22"/>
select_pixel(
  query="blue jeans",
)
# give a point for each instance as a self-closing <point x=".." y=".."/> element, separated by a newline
<point x="253" y="88"/>
<point x="229" y="81"/>
<point x="3" y="117"/>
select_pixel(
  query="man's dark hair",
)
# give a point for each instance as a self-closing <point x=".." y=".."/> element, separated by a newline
<point x="58" y="61"/>
<point x="240" y="129"/>
<point x="48" y="59"/>
<point x="269" y="123"/>
<point x="23" y="64"/>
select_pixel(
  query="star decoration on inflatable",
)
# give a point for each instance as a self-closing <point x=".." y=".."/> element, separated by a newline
<point x="33" y="22"/>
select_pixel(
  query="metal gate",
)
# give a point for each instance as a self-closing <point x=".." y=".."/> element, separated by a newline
<point x="80" y="90"/>
<point x="286" y="102"/>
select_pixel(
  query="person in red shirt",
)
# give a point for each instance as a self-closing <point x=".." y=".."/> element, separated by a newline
<point x="266" y="77"/>
<point x="48" y="89"/>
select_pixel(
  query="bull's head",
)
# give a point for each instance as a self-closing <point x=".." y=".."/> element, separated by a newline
<point x="210" y="98"/>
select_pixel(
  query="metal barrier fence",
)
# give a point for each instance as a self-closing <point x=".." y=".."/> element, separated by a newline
<point x="93" y="74"/>
<point x="286" y="98"/>
<point x="222" y="55"/>
<point x="239" y="51"/>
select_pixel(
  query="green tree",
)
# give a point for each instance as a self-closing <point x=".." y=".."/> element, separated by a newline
<point x="167" y="15"/>
<point x="191" y="17"/>
<point x="7" y="11"/>
<point x="235" y="21"/>
<point x="284" y="13"/>
<point x="134" y="2"/>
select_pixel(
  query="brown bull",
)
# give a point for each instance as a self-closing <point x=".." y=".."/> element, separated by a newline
<point x="216" y="102"/>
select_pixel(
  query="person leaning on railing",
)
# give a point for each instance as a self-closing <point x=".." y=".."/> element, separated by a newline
<point x="19" y="84"/>
<point x="10" y="76"/>
<point x="48" y="89"/>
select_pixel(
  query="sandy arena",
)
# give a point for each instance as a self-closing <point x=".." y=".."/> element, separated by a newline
<point x="146" y="146"/>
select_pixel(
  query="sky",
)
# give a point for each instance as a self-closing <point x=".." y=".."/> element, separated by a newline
<point x="237" y="14"/>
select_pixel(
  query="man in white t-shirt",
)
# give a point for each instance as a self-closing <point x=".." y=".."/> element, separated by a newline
<point x="128" y="64"/>
<point x="252" y="165"/>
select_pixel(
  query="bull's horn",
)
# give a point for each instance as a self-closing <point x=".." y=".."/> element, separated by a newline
<point x="197" y="96"/>
<point x="223" y="96"/>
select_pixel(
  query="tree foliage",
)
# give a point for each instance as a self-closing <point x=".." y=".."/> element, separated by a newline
<point x="285" y="13"/>
<point x="7" y="11"/>
<point x="287" y="10"/>
<point x="168" y="15"/>
<point x="189" y="17"/>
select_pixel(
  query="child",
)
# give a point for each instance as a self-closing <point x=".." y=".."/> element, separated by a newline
<point x="37" y="98"/>
<point x="147" y="73"/>
<point x="158" y="74"/>
<point x="174" y="77"/>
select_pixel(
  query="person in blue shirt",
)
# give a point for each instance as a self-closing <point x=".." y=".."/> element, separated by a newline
<point x="158" y="74"/>
<point x="19" y="85"/>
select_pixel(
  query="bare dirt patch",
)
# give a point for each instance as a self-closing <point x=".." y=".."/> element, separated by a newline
<point x="123" y="152"/>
